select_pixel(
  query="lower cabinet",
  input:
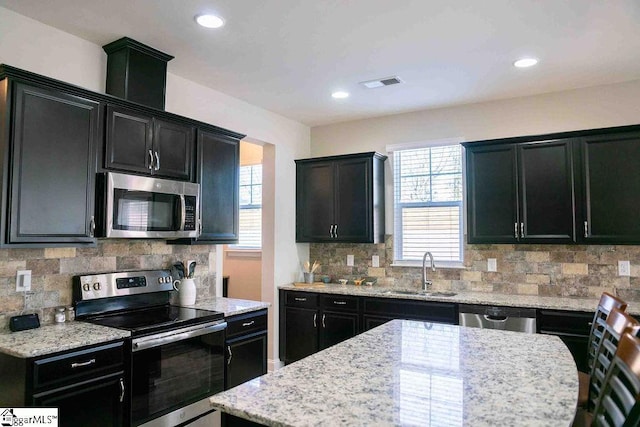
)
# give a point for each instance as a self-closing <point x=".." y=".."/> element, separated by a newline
<point x="87" y="385"/>
<point x="312" y="322"/>
<point x="572" y="327"/>
<point x="246" y="342"/>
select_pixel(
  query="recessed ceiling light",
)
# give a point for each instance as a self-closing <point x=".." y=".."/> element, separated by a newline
<point x="525" y="62"/>
<point x="210" y="21"/>
<point x="340" y="94"/>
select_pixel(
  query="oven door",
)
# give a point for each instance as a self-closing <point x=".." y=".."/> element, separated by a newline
<point x="173" y="374"/>
<point x="143" y="207"/>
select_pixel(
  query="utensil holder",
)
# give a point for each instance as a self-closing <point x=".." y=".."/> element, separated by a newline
<point x="308" y="277"/>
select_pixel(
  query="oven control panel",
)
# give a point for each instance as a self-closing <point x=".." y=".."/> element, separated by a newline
<point x="120" y="284"/>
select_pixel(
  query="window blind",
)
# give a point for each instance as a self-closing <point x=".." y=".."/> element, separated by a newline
<point x="250" y="207"/>
<point x="428" y="202"/>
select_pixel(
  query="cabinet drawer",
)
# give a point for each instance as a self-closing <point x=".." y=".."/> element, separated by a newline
<point x="301" y="299"/>
<point x="75" y="366"/>
<point x="573" y="323"/>
<point x="339" y="302"/>
<point x="247" y="323"/>
<point x="418" y="310"/>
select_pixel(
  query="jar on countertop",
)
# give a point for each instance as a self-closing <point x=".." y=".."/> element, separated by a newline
<point x="60" y="316"/>
<point x="71" y="314"/>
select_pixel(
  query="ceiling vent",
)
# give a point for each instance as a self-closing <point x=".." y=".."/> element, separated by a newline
<point x="387" y="81"/>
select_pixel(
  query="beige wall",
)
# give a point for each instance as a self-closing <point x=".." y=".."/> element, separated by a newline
<point x="245" y="274"/>
<point x="36" y="47"/>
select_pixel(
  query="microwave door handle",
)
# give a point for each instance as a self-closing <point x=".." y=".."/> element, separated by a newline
<point x="183" y="212"/>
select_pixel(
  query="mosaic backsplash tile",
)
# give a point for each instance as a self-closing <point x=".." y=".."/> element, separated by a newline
<point x="546" y="270"/>
<point x="52" y="270"/>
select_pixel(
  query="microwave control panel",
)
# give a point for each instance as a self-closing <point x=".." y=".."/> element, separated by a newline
<point x="190" y="213"/>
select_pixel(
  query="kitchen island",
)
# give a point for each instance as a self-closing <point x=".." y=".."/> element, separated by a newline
<point x="417" y="373"/>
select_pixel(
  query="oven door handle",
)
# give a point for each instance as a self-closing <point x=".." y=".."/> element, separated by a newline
<point x="143" y="344"/>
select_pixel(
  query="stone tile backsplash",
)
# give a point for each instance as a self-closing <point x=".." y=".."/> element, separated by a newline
<point x="546" y="270"/>
<point x="52" y="270"/>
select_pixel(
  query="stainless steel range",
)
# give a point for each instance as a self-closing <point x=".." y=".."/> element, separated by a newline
<point x="177" y="353"/>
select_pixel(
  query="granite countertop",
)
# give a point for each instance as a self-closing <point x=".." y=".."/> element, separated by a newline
<point x="428" y="374"/>
<point x="463" y="297"/>
<point x="54" y="338"/>
<point x="69" y="335"/>
<point x="230" y="306"/>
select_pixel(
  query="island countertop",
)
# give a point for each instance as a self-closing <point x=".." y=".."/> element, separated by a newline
<point x="466" y="297"/>
<point x="416" y="373"/>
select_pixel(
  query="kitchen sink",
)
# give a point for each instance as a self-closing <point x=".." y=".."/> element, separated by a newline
<point x="417" y="292"/>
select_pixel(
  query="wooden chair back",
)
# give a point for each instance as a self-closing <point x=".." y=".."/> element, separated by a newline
<point x="619" y="403"/>
<point x="607" y="303"/>
<point x="617" y="324"/>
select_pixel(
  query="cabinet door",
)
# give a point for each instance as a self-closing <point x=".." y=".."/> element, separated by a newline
<point x="337" y="327"/>
<point x="492" y="205"/>
<point x="129" y="141"/>
<point x="353" y="200"/>
<point x="301" y="333"/>
<point x="218" y="176"/>
<point x="611" y="189"/>
<point x="546" y="192"/>
<point x="53" y="167"/>
<point x="246" y="359"/>
<point x="98" y="403"/>
<point x="314" y="202"/>
<point x="172" y="150"/>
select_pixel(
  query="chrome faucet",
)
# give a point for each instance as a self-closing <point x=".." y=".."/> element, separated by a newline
<point x="426" y="283"/>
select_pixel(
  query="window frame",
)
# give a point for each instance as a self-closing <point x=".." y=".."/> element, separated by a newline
<point x="397" y="208"/>
<point x="250" y="206"/>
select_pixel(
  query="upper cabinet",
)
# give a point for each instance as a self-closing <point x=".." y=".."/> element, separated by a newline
<point x="49" y="163"/>
<point x="521" y="193"/>
<point x="610" y="188"/>
<point x="576" y="187"/>
<point x="140" y="143"/>
<point x="340" y="199"/>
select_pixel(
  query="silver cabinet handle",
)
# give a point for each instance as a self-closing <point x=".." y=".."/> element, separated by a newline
<point x="249" y="323"/>
<point x="92" y="226"/>
<point x="340" y="302"/>
<point x="331" y="231"/>
<point x="230" y="355"/>
<point x="323" y="325"/>
<point x="315" y="315"/>
<point x="199" y="227"/>
<point x="150" y="160"/>
<point x="586" y="229"/>
<point x="81" y="364"/>
<point x="121" y="390"/>
<point x="335" y="232"/>
<point x="157" y="161"/>
<point x="516" y="229"/>
<point x="300" y="299"/>
<point x="522" y="229"/>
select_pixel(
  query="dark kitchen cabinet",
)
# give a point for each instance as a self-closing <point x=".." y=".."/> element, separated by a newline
<point x="610" y="188"/>
<point x="339" y="319"/>
<point x="301" y="333"/>
<point x="572" y="327"/>
<point x="340" y="199"/>
<point x="377" y="311"/>
<point x="246" y="343"/>
<point x="521" y="192"/>
<point x="140" y="143"/>
<point x="87" y="385"/>
<point x="52" y="164"/>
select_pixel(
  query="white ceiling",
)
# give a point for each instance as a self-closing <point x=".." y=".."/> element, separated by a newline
<point x="287" y="56"/>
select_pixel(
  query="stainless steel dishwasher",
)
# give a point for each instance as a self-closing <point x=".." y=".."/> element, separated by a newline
<point x="504" y="318"/>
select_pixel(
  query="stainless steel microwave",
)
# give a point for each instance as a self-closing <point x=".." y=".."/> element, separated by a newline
<point x="142" y="207"/>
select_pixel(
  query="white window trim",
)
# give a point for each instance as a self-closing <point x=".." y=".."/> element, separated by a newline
<point x="426" y="144"/>
<point x="240" y="252"/>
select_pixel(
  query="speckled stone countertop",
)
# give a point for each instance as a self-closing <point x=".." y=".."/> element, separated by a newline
<point x="53" y="338"/>
<point x="427" y="374"/>
<point x="231" y="306"/>
<point x="512" y="300"/>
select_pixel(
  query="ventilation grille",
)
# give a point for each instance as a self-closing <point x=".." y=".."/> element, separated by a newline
<point x="387" y="81"/>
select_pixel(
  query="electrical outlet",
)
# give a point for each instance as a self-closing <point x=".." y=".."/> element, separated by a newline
<point x="23" y="280"/>
<point x="492" y="264"/>
<point x="349" y="260"/>
<point x="375" y="261"/>
<point x="624" y="268"/>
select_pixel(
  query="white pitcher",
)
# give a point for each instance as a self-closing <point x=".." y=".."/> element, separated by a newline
<point x="186" y="292"/>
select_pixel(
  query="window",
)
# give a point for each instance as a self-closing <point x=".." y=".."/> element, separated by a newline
<point x="428" y="202"/>
<point x="250" y="207"/>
